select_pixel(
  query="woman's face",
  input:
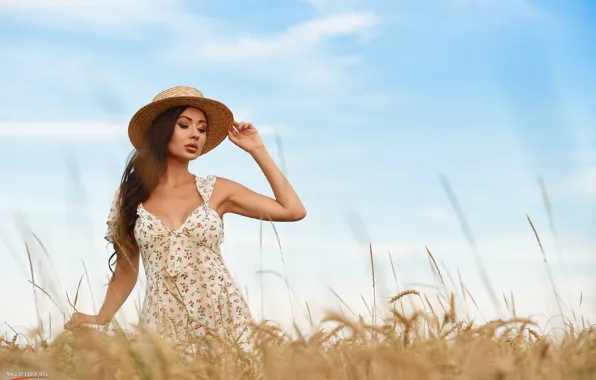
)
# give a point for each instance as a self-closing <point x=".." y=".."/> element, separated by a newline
<point x="190" y="134"/>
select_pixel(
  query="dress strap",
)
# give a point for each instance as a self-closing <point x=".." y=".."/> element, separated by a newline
<point x="205" y="187"/>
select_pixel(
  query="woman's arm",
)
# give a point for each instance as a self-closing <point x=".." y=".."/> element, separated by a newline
<point x="126" y="275"/>
<point x="238" y="199"/>
<point x="124" y="281"/>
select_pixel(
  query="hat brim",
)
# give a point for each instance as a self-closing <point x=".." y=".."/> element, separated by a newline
<point x="219" y="119"/>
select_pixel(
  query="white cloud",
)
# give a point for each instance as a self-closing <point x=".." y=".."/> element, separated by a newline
<point x="329" y="6"/>
<point x="113" y="16"/>
<point x="105" y="15"/>
<point x="63" y="130"/>
<point x="293" y="55"/>
<point x="293" y="42"/>
<point x="48" y="5"/>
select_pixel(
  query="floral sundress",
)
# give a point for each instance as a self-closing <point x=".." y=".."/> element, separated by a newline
<point x="189" y="289"/>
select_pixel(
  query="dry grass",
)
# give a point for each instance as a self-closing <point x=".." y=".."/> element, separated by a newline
<point x="427" y="341"/>
<point x="419" y="345"/>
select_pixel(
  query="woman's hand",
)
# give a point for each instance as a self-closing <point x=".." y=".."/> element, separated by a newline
<point x="245" y="136"/>
<point x="80" y="319"/>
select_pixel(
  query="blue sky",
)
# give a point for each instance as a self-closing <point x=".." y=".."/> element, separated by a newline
<point x="373" y="102"/>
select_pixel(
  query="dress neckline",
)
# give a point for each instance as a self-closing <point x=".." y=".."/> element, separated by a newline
<point x="177" y="229"/>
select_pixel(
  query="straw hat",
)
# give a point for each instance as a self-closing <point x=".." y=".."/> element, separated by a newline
<point x="219" y="116"/>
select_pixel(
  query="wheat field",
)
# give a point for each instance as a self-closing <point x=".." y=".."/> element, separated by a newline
<point x="422" y="343"/>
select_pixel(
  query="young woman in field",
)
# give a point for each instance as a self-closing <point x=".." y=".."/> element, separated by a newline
<point x="173" y="220"/>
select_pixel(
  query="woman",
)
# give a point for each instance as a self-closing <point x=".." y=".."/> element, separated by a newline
<point x="173" y="220"/>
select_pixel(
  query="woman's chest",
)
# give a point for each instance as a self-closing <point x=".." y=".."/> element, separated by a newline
<point x="173" y="208"/>
<point x="203" y="226"/>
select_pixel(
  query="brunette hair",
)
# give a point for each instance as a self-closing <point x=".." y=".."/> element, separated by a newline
<point x="143" y="169"/>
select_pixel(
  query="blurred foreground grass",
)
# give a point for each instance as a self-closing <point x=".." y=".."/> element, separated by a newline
<point x="419" y="340"/>
<point x="420" y="345"/>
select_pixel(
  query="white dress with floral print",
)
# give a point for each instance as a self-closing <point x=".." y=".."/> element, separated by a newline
<point x="189" y="288"/>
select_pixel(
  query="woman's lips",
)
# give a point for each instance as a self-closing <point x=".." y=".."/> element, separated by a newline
<point x="192" y="148"/>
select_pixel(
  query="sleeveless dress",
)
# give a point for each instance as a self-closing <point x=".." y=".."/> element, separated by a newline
<point x="189" y="290"/>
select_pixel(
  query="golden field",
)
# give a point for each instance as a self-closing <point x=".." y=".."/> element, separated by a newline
<point x="425" y="343"/>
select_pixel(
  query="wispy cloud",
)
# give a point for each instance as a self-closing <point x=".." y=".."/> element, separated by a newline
<point x="293" y="42"/>
<point x="300" y="56"/>
<point x="63" y="130"/>
<point x="107" y="16"/>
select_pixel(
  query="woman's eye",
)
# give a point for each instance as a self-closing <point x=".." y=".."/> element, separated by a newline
<point x="183" y="126"/>
<point x="202" y="130"/>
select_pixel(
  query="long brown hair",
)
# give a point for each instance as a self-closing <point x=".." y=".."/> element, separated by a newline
<point x="143" y="169"/>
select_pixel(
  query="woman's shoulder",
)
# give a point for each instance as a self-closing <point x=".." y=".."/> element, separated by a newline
<point x="219" y="184"/>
